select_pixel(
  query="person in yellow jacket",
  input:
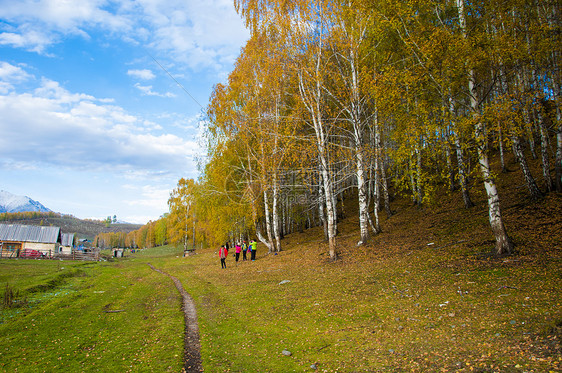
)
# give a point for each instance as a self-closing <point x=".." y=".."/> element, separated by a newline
<point x="253" y="247"/>
<point x="244" y="249"/>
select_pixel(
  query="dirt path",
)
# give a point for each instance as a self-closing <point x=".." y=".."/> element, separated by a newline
<point x="192" y="347"/>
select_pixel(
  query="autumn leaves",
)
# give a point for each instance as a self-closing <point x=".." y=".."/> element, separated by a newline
<point x="328" y="97"/>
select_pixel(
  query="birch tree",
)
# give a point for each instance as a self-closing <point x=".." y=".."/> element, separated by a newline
<point x="503" y="242"/>
<point x="180" y="204"/>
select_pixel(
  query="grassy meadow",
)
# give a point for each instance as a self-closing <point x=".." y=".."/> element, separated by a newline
<point x="422" y="296"/>
<point x="89" y="317"/>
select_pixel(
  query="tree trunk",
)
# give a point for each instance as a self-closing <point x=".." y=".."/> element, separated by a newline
<point x="312" y="98"/>
<point x="384" y="186"/>
<point x="413" y="181"/>
<point x="362" y="192"/>
<point x="500" y="144"/>
<point x="462" y="175"/>
<point x="531" y="139"/>
<point x="415" y="177"/>
<point x="376" y="198"/>
<point x="321" y="199"/>
<point x="276" y="214"/>
<point x="186" y="229"/>
<point x="450" y="170"/>
<point x="193" y="235"/>
<point x="254" y="196"/>
<point x="376" y="182"/>
<point x="330" y="212"/>
<point x="269" y="242"/>
<point x="503" y="242"/>
<point x="544" y="153"/>
<point x="529" y="179"/>
<point x="558" y="166"/>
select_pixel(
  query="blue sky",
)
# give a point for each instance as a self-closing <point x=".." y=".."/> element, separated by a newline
<point x="90" y="123"/>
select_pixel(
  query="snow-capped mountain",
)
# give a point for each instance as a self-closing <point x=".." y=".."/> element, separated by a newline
<point x="11" y="203"/>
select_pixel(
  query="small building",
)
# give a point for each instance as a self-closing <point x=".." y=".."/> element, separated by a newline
<point x="29" y="240"/>
<point x="67" y="244"/>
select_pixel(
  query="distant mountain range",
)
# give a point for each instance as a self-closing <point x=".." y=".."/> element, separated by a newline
<point x="87" y="228"/>
<point x="12" y="203"/>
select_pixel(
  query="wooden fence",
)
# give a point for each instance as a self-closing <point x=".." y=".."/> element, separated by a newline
<point x="51" y="254"/>
<point x="79" y="255"/>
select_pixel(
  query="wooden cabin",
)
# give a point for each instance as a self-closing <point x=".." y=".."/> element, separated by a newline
<point x="67" y="244"/>
<point x="29" y="241"/>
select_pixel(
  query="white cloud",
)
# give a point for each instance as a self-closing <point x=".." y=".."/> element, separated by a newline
<point x="52" y="90"/>
<point x="11" y="73"/>
<point x="27" y="38"/>
<point x="152" y="196"/>
<point x="77" y="131"/>
<point x="48" y="129"/>
<point x="144" y="74"/>
<point x="195" y="33"/>
<point x="43" y="23"/>
<point x="147" y="90"/>
<point x="64" y="16"/>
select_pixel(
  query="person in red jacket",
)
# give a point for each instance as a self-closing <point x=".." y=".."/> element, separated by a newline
<point x="223" y="253"/>
<point x="238" y="250"/>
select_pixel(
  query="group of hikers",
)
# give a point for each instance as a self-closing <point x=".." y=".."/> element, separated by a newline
<point x="243" y="248"/>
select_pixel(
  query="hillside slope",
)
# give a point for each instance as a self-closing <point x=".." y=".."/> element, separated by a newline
<point x="87" y="229"/>
<point x="425" y="295"/>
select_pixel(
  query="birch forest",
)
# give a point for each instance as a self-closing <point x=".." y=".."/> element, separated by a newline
<point x="332" y="100"/>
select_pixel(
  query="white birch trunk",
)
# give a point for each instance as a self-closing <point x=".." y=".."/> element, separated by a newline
<point x="412" y="180"/>
<point x="321" y="204"/>
<point x="503" y="243"/>
<point x="355" y="113"/>
<point x="193" y="234"/>
<point x="330" y="209"/>
<point x="186" y="217"/>
<point x="384" y="184"/>
<point x="377" y="161"/>
<point x="419" y="176"/>
<point x="268" y="242"/>
<point x="376" y="197"/>
<point x="276" y="214"/>
<point x="362" y="191"/>
<point x="450" y="170"/>
<point x="313" y="102"/>
<point x="500" y="144"/>
<point x="462" y="174"/>
<point x="544" y="154"/>
<point x="556" y="79"/>
<point x="529" y="179"/>
<point x="259" y="235"/>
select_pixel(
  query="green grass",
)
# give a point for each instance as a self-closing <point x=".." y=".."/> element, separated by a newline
<point x="69" y="328"/>
<point x="405" y="312"/>
<point x="397" y="305"/>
